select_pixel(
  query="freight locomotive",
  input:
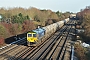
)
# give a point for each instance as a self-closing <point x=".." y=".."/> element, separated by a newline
<point x="37" y="35"/>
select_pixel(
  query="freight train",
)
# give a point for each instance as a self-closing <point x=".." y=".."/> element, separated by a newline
<point x="36" y="36"/>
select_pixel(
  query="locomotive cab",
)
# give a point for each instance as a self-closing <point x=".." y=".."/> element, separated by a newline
<point x="31" y="38"/>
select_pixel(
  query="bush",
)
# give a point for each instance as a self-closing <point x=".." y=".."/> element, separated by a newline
<point x="1" y="40"/>
<point x="3" y="32"/>
<point x="80" y="52"/>
<point x="28" y="25"/>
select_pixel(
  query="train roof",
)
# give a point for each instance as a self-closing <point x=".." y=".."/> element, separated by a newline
<point x="31" y="32"/>
<point x="39" y="30"/>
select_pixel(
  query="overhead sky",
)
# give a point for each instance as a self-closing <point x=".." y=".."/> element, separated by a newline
<point x="54" y="5"/>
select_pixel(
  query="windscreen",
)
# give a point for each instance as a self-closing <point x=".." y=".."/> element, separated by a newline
<point x="34" y="35"/>
<point x="29" y="35"/>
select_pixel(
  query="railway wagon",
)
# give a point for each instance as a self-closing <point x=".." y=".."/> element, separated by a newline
<point x="49" y="30"/>
<point x="60" y="24"/>
<point x="44" y="32"/>
<point x="66" y="20"/>
<point x="55" y="27"/>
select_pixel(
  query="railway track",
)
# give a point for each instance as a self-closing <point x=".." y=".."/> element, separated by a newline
<point x="12" y="45"/>
<point x="44" y="47"/>
<point x="54" y="48"/>
<point x="11" y="49"/>
<point x="42" y="51"/>
<point x="48" y="51"/>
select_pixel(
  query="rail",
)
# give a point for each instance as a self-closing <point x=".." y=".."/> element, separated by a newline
<point x="72" y="53"/>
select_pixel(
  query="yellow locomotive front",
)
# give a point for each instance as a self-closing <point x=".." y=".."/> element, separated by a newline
<point x="31" y="38"/>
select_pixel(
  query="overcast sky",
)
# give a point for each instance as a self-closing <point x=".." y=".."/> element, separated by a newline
<point x="54" y="5"/>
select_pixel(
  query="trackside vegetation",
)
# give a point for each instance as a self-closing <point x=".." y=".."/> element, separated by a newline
<point x="84" y="17"/>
